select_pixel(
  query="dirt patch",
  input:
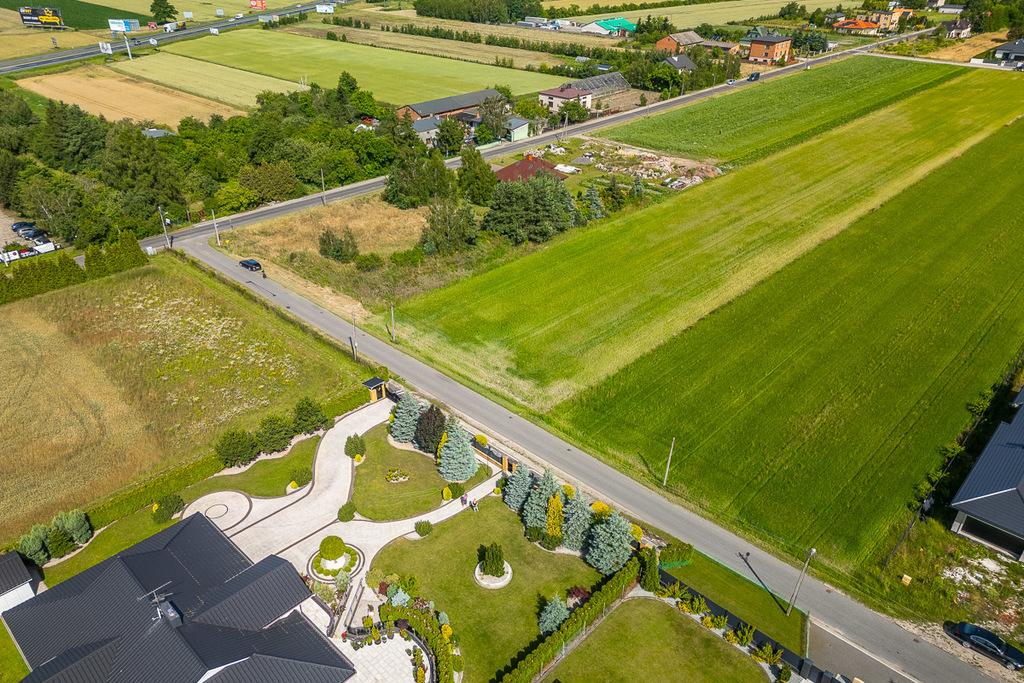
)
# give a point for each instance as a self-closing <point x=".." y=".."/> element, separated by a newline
<point x="973" y="46"/>
<point x="101" y="91"/>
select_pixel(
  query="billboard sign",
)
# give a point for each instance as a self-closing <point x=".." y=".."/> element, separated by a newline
<point x="257" y="4"/>
<point x="186" y="15"/>
<point x="123" y="25"/>
<point x="106" y="49"/>
<point x="325" y="9"/>
<point x="45" y="17"/>
<point x="219" y="12"/>
<point x="214" y="31"/>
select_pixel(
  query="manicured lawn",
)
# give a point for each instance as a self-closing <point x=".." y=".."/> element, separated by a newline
<point x="789" y="109"/>
<point x="265" y="479"/>
<point x="378" y="499"/>
<point x="541" y="328"/>
<point x="648" y="640"/>
<point x="125" y="376"/>
<point x="119" y="535"/>
<point x="747" y="600"/>
<point x="492" y="626"/>
<point x="12" y="666"/>
<point x="842" y="374"/>
<point x="392" y="76"/>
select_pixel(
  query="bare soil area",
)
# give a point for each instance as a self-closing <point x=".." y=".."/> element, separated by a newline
<point x="973" y="46"/>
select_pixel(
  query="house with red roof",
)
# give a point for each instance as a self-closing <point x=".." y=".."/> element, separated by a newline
<point x="526" y="168"/>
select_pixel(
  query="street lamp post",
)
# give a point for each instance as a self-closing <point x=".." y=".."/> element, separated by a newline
<point x="803" y="572"/>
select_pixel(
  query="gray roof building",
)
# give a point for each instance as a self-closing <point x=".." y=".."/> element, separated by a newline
<point x="990" y="502"/>
<point x="1012" y="51"/>
<point x="452" y="103"/>
<point x="183" y="605"/>
<point x="12" y="572"/>
<point x="680" y="63"/>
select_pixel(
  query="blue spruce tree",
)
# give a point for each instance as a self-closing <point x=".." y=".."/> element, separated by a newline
<point x="407" y="416"/>
<point x="609" y="545"/>
<point x="457" y="462"/>
<point x="535" y="509"/>
<point x="517" y="488"/>
<point x="578" y="518"/>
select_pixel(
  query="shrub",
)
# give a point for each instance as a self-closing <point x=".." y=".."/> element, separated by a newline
<point x="785" y="673"/>
<point x="550" y="541"/>
<point x="332" y="547"/>
<point x="535" y="509"/>
<point x="355" y="445"/>
<point x="59" y="542"/>
<point x="744" y="634"/>
<point x="236" y="447"/>
<point x="308" y="416"/>
<point x="718" y="621"/>
<point x="578" y="518"/>
<point x="359" y="458"/>
<point x="366" y="263"/>
<point x="636" y="532"/>
<point x="767" y="654"/>
<point x="274" y="434"/>
<point x="457" y="664"/>
<point x="650" y="579"/>
<point x="600" y="509"/>
<point x="708" y="622"/>
<point x="429" y="429"/>
<point x="424" y="527"/>
<point x="167" y="507"/>
<point x="302" y="475"/>
<point x="534" y="534"/>
<point x="457" y="489"/>
<point x="375" y="634"/>
<point x="568" y="491"/>
<point x="494" y="561"/>
<point x="675" y="554"/>
<point x="699" y="606"/>
<point x="338" y="248"/>
<point x="76" y="523"/>
<point x="408" y="258"/>
<point x="347" y="512"/>
<point x="481" y="439"/>
<point x="33" y="545"/>
<point x="446" y="493"/>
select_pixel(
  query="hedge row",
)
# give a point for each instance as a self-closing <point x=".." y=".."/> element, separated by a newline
<point x="600" y="600"/>
<point x="428" y="627"/>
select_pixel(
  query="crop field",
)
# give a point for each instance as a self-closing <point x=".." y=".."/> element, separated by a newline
<point x="110" y="380"/>
<point x="18" y="41"/>
<point x="540" y="329"/>
<point x="78" y="14"/>
<point x="234" y="87"/>
<point x="105" y="92"/>
<point x="845" y="372"/>
<point x="424" y="45"/>
<point x="715" y="13"/>
<point x="202" y="10"/>
<point x="790" y="109"/>
<point x="392" y="76"/>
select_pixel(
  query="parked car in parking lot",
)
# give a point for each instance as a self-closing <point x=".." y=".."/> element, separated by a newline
<point x="250" y="264"/>
<point x="21" y="225"/>
<point x="988" y="643"/>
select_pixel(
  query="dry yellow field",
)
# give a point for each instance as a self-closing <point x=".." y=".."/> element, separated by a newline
<point x="973" y="46"/>
<point x="104" y="92"/>
<point x="18" y="41"/>
<point x="202" y="10"/>
<point x="688" y="16"/>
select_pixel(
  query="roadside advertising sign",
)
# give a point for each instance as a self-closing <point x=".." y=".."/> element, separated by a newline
<point x="106" y="49"/>
<point x="43" y="17"/>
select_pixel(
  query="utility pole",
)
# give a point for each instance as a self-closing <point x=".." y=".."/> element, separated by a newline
<point x="163" y="224"/>
<point x="803" y="572"/>
<point x="664" y="480"/>
<point x="323" y="188"/>
<point x="355" y="344"/>
<point x="127" y="46"/>
<point x="215" y="230"/>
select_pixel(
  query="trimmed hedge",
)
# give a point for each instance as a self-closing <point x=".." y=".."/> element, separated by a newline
<point x="347" y="512"/>
<point x="427" y="626"/>
<point x="530" y="666"/>
<point x="166" y="507"/>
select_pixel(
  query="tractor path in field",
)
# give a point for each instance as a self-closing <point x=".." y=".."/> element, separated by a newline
<point x="883" y="644"/>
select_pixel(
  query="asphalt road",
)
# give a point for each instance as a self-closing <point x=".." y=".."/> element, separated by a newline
<point x="863" y="631"/>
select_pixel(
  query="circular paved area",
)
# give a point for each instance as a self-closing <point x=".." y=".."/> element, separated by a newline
<point x="224" y="508"/>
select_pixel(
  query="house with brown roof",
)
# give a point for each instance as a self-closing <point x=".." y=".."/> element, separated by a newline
<point x="554" y="98"/>
<point x="526" y="168"/>
<point x="677" y="42"/>
<point x="856" y="27"/>
<point x="770" y="48"/>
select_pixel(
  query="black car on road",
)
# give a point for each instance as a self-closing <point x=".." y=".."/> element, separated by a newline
<point x="988" y="643"/>
<point x="250" y="264"/>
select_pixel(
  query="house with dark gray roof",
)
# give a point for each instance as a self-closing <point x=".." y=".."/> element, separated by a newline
<point x="445" y="107"/>
<point x="990" y="502"/>
<point x="182" y="606"/>
<point x="1012" y="51"/>
<point x="15" y="581"/>
<point x="680" y="63"/>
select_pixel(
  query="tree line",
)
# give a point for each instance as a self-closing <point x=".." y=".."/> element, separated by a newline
<point x="479" y="11"/>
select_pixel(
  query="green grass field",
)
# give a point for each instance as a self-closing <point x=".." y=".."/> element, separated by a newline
<point x="541" y="328"/>
<point x="213" y="81"/>
<point x="689" y="16"/>
<point x="810" y="408"/>
<point x="12" y="666"/>
<point x="78" y="14"/>
<point x="789" y="110"/>
<point x="381" y="500"/>
<point x="649" y="640"/>
<point x="265" y="479"/>
<point x="492" y="625"/>
<point x="392" y="76"/>
<point x="122" y="377"/>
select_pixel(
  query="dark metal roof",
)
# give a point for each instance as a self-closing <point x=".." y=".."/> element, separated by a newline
<point x="101" y="626"/>
<point x="12" y="572"/>
<point x="681" y="63"/>
<point x="263" y="668"/>
<point x="994" y="490"/>
<point x="373" y="383"/>
<point x="453" y="102"/>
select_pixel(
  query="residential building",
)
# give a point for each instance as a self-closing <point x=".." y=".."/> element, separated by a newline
<point x="856" y="27"/>
<point x="554" y="98"/>
<point x="526" y="168"/>
<point x="678" y="42"/>
<point x="182" y="606"/>
<point x="723" y="45"/>
<point x="990" y="502"/>
<point x="426" y="129"/>
<point x="603" y="84"/>
<point x="446" y="107"/>
<point x="1012" y="51"/>
<point x="770" y="49"/>
<point x="681" y="63"/>
<point x="958" y="29"/>
<point x="951" y="9"/>
<point x="758" y="32"/>
<point x="832" y="17"/>
<point x="518" y="129"/>
<point x="888" y="20"/>
<point x="15" y="581"/>
<point x="618" y="27"/>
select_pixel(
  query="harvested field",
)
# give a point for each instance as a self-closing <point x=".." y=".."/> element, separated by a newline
<point x="233" y="87"/>
<point x="392" y="76"/>
<point x="104" y="92"/>
<point x="689" y="16"/>
<point x="453" y="49"/>
<point x="84" y="15"/>
<point x="113" y="379"/>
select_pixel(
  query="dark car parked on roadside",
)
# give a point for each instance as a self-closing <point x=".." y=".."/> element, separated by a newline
<point x="250" y="264"/>
<point x="21" y="225"/>
<point x="988" y="643"/>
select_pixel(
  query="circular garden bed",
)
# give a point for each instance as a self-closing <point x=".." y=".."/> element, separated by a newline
<point x="333" y="558"/>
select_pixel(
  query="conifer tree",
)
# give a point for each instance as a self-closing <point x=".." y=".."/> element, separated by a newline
<point x="553" y="614"/>
<point x="429" y="429"/>
<point x="554" y="521"/>
<point x="609" y="545"/>
<point x="517" y="488"/>
<point x="535" y="509"/>
<point x="33" y="545"/>
<point x="578" y="518"/>
<point x="457" y="462"/>
<point x="407" y="416"/>
<point x="595" y="205"/>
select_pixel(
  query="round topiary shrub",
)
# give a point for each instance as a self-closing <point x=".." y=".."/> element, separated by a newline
<point x="424" y="527"/>
<point x="347" y="512"/>
<point x="332" y="547"/>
